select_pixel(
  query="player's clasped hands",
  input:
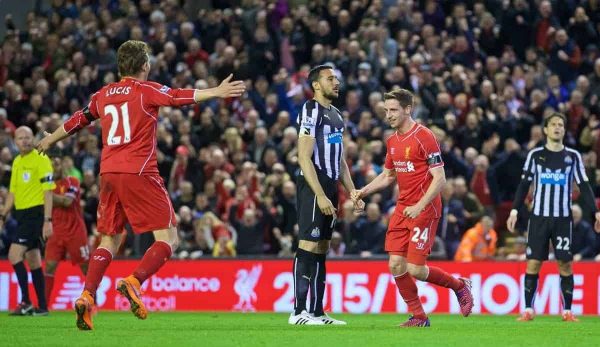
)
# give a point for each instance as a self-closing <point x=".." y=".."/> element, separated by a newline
<point x="231" y="89"/>
<point x="359" y="207"/>
<point x="355" y="195"/>
<point x="359" y="204"/>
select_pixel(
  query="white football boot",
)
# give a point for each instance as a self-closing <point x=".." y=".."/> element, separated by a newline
<point x="304" y="318"/>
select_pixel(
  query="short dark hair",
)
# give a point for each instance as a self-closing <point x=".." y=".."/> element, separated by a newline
<point x="313" y="74"/>
<point x="404" y="97"/>
<point x="131" y="57"/>
<point x="555" y="115"/>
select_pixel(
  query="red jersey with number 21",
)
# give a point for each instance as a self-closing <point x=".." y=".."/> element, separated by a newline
<point x="128" y="113"/>
<point x="411" y="156"/>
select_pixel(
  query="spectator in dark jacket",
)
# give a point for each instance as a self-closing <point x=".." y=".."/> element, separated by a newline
<point x="581" y="29"/>
<point x="369" y="232"/>
<point x="565" y="57"/>
<point x="250" y="230"/>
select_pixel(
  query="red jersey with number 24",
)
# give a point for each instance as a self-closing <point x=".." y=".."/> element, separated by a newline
<point x="128" y="113"/>
<point x="411" y="156"/>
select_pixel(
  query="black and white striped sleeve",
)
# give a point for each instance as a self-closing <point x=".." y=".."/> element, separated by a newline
<point x="526" y="178"/>
<point x="308" y="119"/>
<point x="529" y="167"/>
<point x="579" y="169"/>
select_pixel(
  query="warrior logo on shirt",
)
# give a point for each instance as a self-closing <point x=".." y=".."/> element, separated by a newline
<point x="407" y="152"/>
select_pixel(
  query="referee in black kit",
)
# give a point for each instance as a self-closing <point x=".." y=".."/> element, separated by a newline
<point x="31" y="186"/>
<point x="552" y="169"/>
<point x="322" y="165"/>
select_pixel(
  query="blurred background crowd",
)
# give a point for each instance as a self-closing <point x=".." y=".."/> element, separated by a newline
<point x="485" y="74"/>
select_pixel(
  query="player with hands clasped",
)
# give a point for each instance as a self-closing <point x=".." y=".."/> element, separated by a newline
<point x="322" y="165"/>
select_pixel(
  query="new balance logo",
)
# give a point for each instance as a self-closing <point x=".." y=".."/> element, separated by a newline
<point x="71" y="290"/>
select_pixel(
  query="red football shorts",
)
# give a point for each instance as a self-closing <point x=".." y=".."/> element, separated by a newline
<point x="411" y="238"/>
<point x="141" y="200"/>
<point x="75" y="245"/>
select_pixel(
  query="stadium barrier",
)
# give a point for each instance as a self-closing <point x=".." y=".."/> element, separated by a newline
<point x="352" y="286"/>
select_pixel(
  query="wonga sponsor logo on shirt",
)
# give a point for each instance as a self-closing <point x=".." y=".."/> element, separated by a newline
<point x="556" y="178"/>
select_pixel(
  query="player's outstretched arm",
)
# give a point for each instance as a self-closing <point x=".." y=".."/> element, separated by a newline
<point x="51" y="139"/>
<point x="227" y="89"/>
<point x="380" y="182"/>
<point x="76" y="122"/>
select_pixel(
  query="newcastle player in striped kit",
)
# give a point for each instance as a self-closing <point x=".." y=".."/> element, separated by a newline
<point x="552" y="169"/>
<point x="322" y="164"/>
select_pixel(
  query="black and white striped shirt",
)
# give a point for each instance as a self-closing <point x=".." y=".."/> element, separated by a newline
<point x="326" y="125"/>
<point x="552" y="174"/>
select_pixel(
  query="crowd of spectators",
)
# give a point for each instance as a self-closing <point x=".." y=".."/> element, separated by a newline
<point x="485" y="73"/>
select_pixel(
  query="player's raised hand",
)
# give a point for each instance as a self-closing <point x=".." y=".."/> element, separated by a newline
<point x="512" y="221"/>
<point x="231" y="89"/>
<point x="597" y="224"/>
<point x="325" y="205"/>
<point x="45" y="144"/>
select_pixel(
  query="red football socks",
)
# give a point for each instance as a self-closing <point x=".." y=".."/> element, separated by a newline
<point x="49" y="285"/>
<point x="99" y="261"/>
<point x="408" y="289"/>
<point x="442" y="278"/>
<point x="156" y="256"/>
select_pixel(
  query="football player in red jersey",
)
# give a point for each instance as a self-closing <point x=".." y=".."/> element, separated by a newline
<point x="70" y="235"/>
<point x="414" y="160"/>
<point x="131" y="189"/>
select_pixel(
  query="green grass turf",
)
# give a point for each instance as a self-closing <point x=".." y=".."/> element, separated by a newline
<point x="268" y="329"/>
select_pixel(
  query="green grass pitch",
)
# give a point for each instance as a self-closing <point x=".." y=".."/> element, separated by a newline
<point x="271" y="329"/>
